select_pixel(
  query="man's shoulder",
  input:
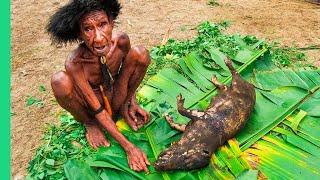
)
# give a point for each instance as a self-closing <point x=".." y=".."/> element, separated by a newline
<point x="76" y="53"/>
<point x="74" y="56"/>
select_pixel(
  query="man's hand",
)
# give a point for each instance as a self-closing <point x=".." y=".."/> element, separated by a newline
<point x="137" y="159"/>
<point x="138" y="115"/>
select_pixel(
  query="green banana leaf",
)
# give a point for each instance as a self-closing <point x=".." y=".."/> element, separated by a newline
<point x="279" y="92"/>
<point x="281" y="140"/>
<point x="78" y="170"/>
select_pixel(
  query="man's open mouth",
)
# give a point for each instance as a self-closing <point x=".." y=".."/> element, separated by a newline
<point x="100" y="49"/>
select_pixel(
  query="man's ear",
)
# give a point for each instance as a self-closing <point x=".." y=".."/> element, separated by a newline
<point x="80" y="37"/>
<point x="112" y="23"/>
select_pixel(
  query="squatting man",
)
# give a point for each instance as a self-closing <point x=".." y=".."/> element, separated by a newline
<point x="101" y="75"/>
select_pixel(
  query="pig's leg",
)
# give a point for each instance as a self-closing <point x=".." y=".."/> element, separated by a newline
<point x="236" y="79"/>
<point x="179" y="127"/>
<point x="186" y="112"/>
<point x="231" y="68"/>
<point x="219" y="85"/>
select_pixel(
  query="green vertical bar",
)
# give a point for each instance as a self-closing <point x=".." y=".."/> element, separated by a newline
<point x="5" y="89"/>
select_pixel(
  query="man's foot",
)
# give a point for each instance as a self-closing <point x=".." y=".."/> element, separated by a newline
<point x="95" y="136"/>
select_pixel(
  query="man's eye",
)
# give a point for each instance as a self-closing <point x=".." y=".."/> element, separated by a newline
<point x="102" y="24"/>
<point x="87" y="29"/>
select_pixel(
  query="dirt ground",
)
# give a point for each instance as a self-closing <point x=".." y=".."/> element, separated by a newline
<point x="146" y="22"/>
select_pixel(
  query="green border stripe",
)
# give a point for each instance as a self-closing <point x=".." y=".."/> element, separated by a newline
<point x="5" y="88"/>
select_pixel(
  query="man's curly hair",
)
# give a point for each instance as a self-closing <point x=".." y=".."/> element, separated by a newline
<point x="64" y="26"/>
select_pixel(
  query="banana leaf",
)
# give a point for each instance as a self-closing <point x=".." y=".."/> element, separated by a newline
<point x="279" y="93"/>
<point x="79" y="170"/>
<point x="281" y="139"/>
<point x="274" y="103"/>
<point x="276" y="158"/>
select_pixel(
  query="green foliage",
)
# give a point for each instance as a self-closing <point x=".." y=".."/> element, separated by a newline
<point x="34" y="101"/>
<point x="287" y="56"/>
<point x="277" y="156"/>
<point x="60" y="144"/>
<point x="42" y="88"/>
<point x="213" y="3"/>
<point x="210" y="35"/>
<point x="279" y="93"/>
<point x="79" y="170"/>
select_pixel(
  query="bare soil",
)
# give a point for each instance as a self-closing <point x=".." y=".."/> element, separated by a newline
<point x="147" y="22"/>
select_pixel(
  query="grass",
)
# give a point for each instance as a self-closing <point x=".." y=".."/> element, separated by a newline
<point x="213" y="3"/>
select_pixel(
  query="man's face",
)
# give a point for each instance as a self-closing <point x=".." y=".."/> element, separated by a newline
<point x="96" y="32"/>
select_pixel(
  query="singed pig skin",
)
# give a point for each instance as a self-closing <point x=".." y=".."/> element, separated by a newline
<point x="222" y="120"/>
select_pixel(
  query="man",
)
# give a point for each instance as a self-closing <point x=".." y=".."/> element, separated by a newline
<point x="102" y="73"/>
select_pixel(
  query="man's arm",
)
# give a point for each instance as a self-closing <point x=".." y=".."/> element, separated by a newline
<point x="137" y="159"/>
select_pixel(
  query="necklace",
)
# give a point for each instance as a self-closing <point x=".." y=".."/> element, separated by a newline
<point x="107" y="76"/>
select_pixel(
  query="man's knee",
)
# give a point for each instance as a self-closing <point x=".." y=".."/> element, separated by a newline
<point x="123" y="38"/>
<point x="123" y="41"/>
<point x="141" y="55"/>
<point x="61" y="84"/>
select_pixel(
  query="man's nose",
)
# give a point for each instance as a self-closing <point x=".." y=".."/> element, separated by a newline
<point x="98" y="36"/>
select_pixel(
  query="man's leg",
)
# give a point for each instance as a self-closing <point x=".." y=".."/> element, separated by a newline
<point x="69" y="99"/>
<point x="132" y="72"/>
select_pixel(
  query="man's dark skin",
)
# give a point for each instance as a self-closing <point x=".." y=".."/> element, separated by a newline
<point x="77" y="89"/>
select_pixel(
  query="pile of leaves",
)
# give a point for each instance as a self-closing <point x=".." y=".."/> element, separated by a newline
<point x="212" y="35"/>
<point x="60" y="144"/>
<point x="67" y="141"/>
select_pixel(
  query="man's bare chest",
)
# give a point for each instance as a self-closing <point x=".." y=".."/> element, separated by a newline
<point x="93" y="71"/>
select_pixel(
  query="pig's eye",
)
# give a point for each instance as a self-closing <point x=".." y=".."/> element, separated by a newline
<point x="205" y="151"/>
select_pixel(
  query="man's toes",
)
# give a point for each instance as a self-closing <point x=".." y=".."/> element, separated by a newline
<point x="89" y="140"/>
<point x="94" y="145"/>
<point x="100" y="144"/>
<point x="105" y="142"/>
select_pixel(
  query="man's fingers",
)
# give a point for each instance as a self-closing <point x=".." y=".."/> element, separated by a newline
<point x="145" y="159"/>
<point x="132" y="124"/>
<point x="143" y="163"/>
<point x="131" y="114"/>
<point x="145" y="168"/>
<point x="137" y="166"/>
<point x="147" y="117"/>
<point x="144" y="115"/>
<point x="140" y="125"/>
<point x="134" y="127"/>
<point x="134" y="167"/>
